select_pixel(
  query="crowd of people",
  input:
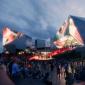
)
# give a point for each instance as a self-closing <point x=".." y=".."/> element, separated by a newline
<point x="50" y="71"/>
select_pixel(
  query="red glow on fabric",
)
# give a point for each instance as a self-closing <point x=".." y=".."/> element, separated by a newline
<point x="59" y="51"/>
<point x="52" y="54"/>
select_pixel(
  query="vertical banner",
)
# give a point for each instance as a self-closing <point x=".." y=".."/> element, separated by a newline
<point x="74" y="32"/>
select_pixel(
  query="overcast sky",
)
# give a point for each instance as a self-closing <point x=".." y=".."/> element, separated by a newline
<point x="38" y="18"/>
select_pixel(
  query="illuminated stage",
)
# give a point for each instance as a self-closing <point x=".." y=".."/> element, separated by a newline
<point x="69" y="36"/>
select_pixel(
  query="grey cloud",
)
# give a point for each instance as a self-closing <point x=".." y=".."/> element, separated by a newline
<point x="38" y="18"/>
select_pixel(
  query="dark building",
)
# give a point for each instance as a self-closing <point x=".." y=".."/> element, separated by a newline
<point x="39" y="43"/>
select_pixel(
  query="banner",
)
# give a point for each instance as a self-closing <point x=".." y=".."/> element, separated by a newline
<point x="60" y="35"/>
<point x="74" y="31"/>
<point x="8" y="36"/>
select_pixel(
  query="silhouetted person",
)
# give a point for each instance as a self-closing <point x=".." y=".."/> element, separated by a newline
<point x="69" y="79"/>
<point x="58" y="72"/>
<point x="80" y="78"/>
